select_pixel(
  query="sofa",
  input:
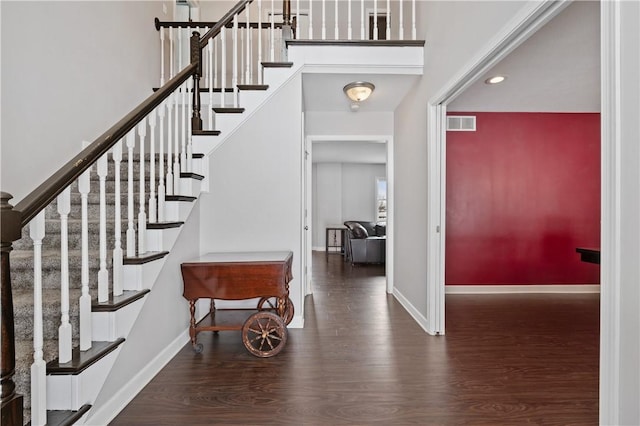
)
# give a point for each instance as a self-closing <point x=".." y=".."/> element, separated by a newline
<point x="366" y="242"/>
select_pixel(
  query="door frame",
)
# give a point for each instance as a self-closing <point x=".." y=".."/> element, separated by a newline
<point x="307" y="218"/>
<point x="526" y="23"/>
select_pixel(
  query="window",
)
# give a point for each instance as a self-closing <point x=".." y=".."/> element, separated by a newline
<point x="381" y="200"/>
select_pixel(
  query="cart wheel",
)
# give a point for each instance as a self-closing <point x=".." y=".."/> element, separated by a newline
<point x="198" y="348"/>
<point x="264" y="334"/>
<point x="288" y="313"/>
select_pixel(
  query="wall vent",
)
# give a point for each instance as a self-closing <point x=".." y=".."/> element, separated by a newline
<point x="461" y="123"/>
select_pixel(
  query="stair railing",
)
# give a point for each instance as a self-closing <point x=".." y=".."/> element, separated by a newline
<point x="143" y="127"/>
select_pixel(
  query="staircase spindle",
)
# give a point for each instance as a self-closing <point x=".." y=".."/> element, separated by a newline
<point x="131" y="232"/>
<point x="162" y="78"/>
<point x="234" y="75"/>
<point x="85" y="299"/>
<point x="171" y="53"/>
<point x="186" y="108"/>
<point x="241" y="64"/>
<point x="310" y="19"/>
<point x="116" y="155"/>
<point x="388" y="37"/>
<point x="161" y="187"/>
<point x="103" y="273"/>
<point x="64" y="331"/>
<point x="297" y="19"/>
<point x="260" y="79"/>
<point x="142" y="214"/>
<point x="210" y="82"/>
<point x="335" y="18"/>
<point x="247" y="76"/>
<point x="413" y="19"/>
<point x="176" y="143"/>
<point x="350" y="27"/>
<point x="153" y="215"/>
<point x="375" y="19"/>
<point x="38" y="367"/>
<point x="169" y="179"/>
<point x="187" y="164"/>
<point x="273" y="33"/>
<point x="223" y="68"/>
<point x="401" y="21"/>
<point x="362" y="27"/>
<point x="324" y="20"/>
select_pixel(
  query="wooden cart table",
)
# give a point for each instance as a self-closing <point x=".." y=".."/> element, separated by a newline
<point x="238" y="276"/>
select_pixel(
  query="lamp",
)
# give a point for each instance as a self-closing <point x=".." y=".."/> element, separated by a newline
<point x="358" y="91"/>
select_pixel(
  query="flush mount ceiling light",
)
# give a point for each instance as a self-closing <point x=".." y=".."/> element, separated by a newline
<point x="358" y="91"/>
<point x="496" y="79"/>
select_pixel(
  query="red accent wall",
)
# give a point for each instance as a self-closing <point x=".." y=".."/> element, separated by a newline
<point x="523" y="192"/>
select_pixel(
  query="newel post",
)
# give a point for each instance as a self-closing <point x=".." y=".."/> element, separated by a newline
<point x="9" y="232"/>
<point x="196" y="56"/>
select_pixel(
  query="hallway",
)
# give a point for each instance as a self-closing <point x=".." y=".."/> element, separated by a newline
<point x="361" y="359"/>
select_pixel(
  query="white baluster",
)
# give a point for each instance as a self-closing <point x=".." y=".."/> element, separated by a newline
<point x="142" y="214"/>
<point x="388" y="20"/>
<point x="310" y="19"/>
<point x="169" y="179"/>
<point x="247" y="77"/>
<point x="153" y="216"/>
<point x="131" y="232"/>
<point x="39" y="367"/>
<point x="161" y="188"/>
<point x="350" y="27"/>
<point x="64" y="331"/>
<point x="413" y="19"/>
<point x="260" y="79"/>
<point x="103" y="273"/>
<point x="324" y="20"/>
<point x="375" y="19"/>
<point x="161" y="56"/>
<point x="335" y="13"/>
<point x="241" y="63"/>
<point x="273" y="33"/>
<point x="171" y="53"/>
<point x="298" y="19"/>
<point x="85" y="299"/>
<point x="116" y="155"/>
<point x="234" y="78"/>
<point x="362" y="27"/>
<point x="223" y="68"/>
<point x="187" y="163"/>
<point x="210" y="82"/>
<point x="186" y="106"/>
<point x="214" y="61"/>
<point x="176" y="150"/>
<point x="401" y="23"/>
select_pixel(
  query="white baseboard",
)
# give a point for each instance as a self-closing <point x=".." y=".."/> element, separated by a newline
<point x="107" y="412"/>
<point x="318" y="248"/>
<point x="415" y="314"/>
<point x="515" y="289"/>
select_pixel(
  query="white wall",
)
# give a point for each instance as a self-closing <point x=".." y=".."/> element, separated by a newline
<point x="341" y="192"/>
<point x="349" y="123"/>
<point x="255" y="200"/>
<point x="70" y="70"/>
<point x="454" y="34"/>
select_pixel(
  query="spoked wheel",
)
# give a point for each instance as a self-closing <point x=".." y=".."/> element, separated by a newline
<point x="264" y="334"/>
<point x="270" y="304"/>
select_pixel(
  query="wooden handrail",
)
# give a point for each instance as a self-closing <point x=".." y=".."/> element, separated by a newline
<point x="226" y="19"/>
<point x="201" y="24"/>
<point x="43" y="195"/>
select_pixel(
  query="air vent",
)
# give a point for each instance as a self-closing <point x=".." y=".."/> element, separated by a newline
<point x="461" y="123"/>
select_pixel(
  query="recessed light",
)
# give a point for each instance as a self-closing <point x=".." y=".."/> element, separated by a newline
<point x="496" y="79"/>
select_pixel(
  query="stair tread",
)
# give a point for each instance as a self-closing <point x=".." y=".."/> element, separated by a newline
<point x="117" y="302"/>
<point x="66" y="417"/>
<point x="205" y="133"/>
<point x="81" y="360"/>
<point x="228" y="110"/>
<point x="253" y="86"/>
<point x="145" y="258"/>
<point x="277" y="64"/>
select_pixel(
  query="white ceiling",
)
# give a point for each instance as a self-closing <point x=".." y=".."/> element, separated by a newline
<point x="555" y="70"/>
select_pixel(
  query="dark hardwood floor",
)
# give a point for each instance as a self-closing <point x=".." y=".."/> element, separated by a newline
<point x="361" y="359"/>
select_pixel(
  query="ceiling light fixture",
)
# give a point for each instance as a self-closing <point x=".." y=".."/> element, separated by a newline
<point x="358" y="91"/>
<point x="496" y="79"/>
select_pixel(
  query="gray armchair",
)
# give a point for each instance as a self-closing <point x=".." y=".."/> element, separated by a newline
<point x="366" y="242"/>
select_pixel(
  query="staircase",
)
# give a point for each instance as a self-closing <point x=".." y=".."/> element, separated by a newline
<point x="125" y="202"/>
